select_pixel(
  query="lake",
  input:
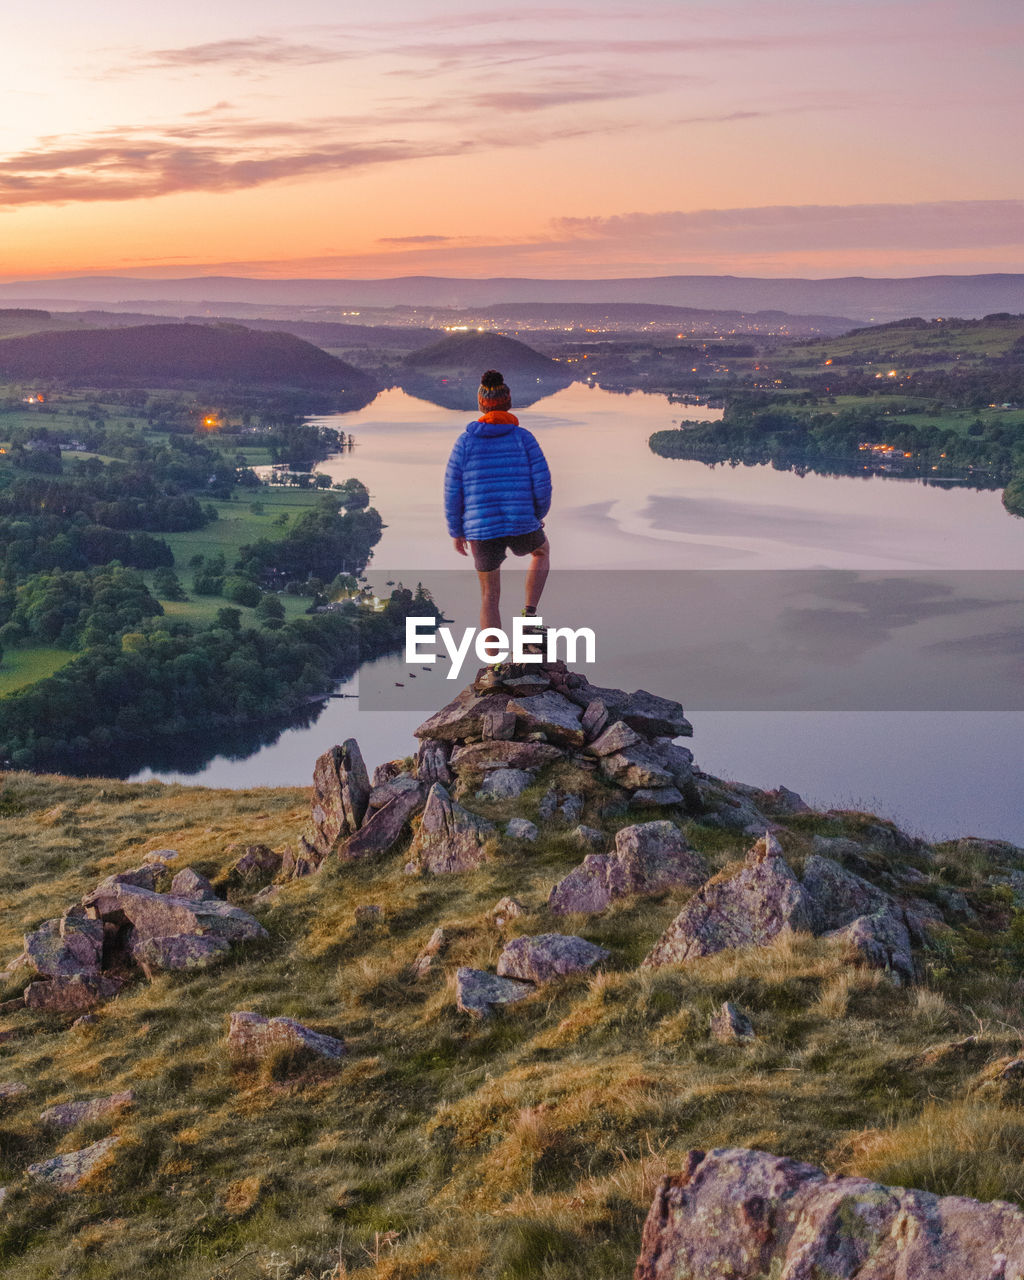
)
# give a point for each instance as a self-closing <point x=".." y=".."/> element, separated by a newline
<point x="857" y="639"/>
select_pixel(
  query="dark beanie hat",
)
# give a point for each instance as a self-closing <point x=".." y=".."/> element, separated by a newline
<point x="493" y="393"/>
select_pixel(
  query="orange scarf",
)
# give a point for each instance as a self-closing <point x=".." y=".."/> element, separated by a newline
<point x="499" y="415"/>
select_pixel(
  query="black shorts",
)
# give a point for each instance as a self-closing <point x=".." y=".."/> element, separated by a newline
<point x="488" y="554"/>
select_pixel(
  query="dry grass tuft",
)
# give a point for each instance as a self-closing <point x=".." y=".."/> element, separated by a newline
<point x="954" y="1148"/>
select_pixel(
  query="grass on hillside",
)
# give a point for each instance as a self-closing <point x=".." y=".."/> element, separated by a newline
<point x="972" y="340"/>
<point x="237" y="524"/>
<point x="892" y="410"/>
<point x="21" y="667"/>
<point x="526" y="1146"/>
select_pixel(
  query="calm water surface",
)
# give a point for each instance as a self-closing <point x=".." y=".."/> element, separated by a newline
<point x="620" y="508"/>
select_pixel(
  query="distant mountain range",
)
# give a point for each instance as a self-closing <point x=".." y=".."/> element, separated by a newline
<point x="860" y="298"/>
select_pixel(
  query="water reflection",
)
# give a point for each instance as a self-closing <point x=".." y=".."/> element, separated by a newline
<point x="618" y="506"/>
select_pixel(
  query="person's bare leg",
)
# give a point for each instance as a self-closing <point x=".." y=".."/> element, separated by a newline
<point x="537" y="574"/>
<point x="490" y="597"/>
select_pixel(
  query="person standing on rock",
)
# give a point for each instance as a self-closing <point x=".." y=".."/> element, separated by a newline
<point x="497" y="491"/>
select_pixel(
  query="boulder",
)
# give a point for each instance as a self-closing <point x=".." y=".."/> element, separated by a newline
<point x="506" y="909"/>
<point x="256" y="866"/>
<point x="548" y="955"/>
<point x="676" y="759"/>
<point x="975" y="848"/>
<point x="504" y="784"/>
<point x="655" y="717"/>
<point x="72" y="995"/>
<point x="549" y="713"/>
<point x="526" y="683"/>
<point x="385" y="772"/>
<point x="385" y="826"/>
<point x="144" y="877"/>
<point x="660" y="797"/>
<point x="498" y="724"/>
<point x="744" y="1215"/>
<point x="785" y="802"/>
<point x="881" y="941"/>
<point x="252" y="1037"/>
<point x="384" y="792"/>
<point x="450" y="838"/>
<point x="11" y="1091"/>
<point x="839" y="895"/>
<point x="751" y="908"/>
<point x="424" y="962"/>
<point x="652" y="856"/>
<point x="162" y="915"/>
<point x="69" y="1172"/>
<point x="636" y="767"/>
<point x="730" y="1025"/>
<point x="341" y="791"/>
<point x="500" y="754"/>
<point x="585" y="890"/>
<point x="478" y="993"/>
<point x="616" y="737"/>
<point x="463" y="717"/>
<point x="68" y="1115"/>
<point x="304" y="862"/>
<point x="161" y="856"/>
<point x="567" y="806"/>
<point x="590" y="837"/>
<point x="595" y="717"/>
<point x="61" y="948"/>
<point x="649" y="857"/>
<point x="432" y="762"/>
<point x="571" y="809"/>
<point x="188" y="883"/>
<point x="727" y="806"/>
<point x="838" y="847"/>
<point x="521" y="829"/>
<point x="178" y="951"/>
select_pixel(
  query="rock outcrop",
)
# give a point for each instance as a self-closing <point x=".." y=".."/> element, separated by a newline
<point x="767" y="899"/>
<point x="450" y="838"/>
<point x="730" y="1025"/>
<point x="84" y="957"/>
<point x="68" y="1115"/>
<point x="384" y="826"/>
<point x="478" y="993"/>
<point x="341" y="793"/>
<point x="745" y="1215"/>
<point x="70" y="1172"/>
<point x="649" y="857"/>
<point x="548" y="955"/>
<point x="764" y="900"/>
<point x="252" y="1038"/>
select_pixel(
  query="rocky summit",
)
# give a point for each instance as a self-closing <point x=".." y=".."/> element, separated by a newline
<point x="540" y="997"/>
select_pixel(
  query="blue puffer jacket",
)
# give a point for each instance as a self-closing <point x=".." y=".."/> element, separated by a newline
<point x="497" y="483"/>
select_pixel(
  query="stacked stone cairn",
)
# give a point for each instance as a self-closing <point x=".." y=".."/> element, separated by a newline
<point x="500" y="739"/>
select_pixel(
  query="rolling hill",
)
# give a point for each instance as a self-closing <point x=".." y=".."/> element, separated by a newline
<point x="475" y="352"/>
<point x="170" y="354"/>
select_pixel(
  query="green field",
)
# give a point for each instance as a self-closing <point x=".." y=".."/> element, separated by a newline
<point x="908" y="411"/>
<point x="21" y="667"/>
<point x="238" y="525"/>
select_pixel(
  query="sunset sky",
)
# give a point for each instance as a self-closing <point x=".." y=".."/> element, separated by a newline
<point x="450" y="137"/>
